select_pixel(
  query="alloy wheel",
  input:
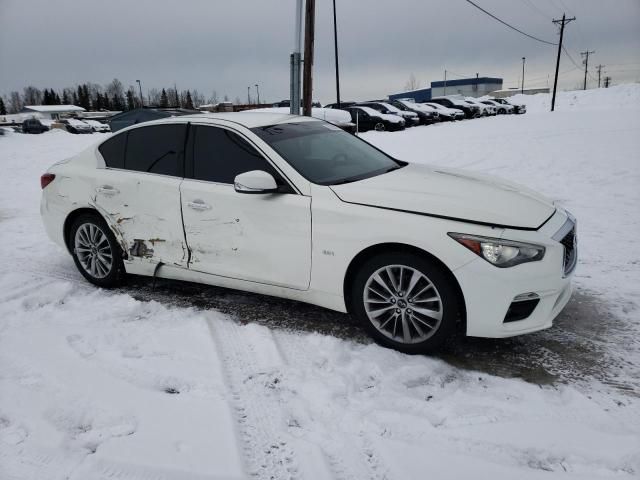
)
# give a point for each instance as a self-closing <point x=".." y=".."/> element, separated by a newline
<point x="93" y="250"/>
<point x="403" y="304"/>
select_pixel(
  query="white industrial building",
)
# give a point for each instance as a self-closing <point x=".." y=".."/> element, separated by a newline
<point x="52" y="112"/>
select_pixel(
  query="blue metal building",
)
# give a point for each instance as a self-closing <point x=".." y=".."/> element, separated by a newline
<point x="420" y="95"/>
<point x="468" y="87"/>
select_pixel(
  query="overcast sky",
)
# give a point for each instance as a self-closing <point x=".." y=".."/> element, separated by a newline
<point x="229" y="45"/>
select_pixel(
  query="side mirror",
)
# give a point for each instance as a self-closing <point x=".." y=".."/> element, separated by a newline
<point x="255" y="181"/>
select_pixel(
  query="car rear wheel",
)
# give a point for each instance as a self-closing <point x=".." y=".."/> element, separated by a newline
<point x="95" y="251"/>
<point x="379" y="127"/>
<point x="405" y="302"/>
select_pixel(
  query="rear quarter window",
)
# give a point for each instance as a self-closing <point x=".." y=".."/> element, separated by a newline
<point x="113" y="151"/>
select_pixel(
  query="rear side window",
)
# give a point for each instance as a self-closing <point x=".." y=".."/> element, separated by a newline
<point x="156" y="149"/>
<point x="113" y="151"/>
<point x="219" y="155"/>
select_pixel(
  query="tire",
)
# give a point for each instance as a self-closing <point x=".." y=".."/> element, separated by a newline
<point x="92" y="245"/>
<point x="429" y="318"/>
<point x="379" y="127"/>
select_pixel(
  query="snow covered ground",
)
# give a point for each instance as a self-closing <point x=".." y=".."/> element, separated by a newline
<point x="98" y="385"/>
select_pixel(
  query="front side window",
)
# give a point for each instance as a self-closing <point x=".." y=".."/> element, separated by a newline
<point x="325" y="154"/>
<point x="156" y="149"/>
<point x="219" y="155"/>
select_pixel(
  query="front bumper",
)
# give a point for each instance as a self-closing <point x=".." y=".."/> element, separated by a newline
<point x="490" y="291"/>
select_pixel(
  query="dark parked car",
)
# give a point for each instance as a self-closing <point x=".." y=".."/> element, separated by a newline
<point x="470" y="111"/>
<point x="369" y="119"/>
<point x="287" y="103"/>
<point x="426" y="117"/>
<point x="34" y="125"/>
<point x="410" y="118"/>
<point x="74" y="125"/>
<point x="342" y="105"/>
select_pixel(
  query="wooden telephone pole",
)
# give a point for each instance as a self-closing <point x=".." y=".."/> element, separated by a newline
<point x="562" y="23"/>
<point x="586" y="65"/>
<point x="307" y="75"/>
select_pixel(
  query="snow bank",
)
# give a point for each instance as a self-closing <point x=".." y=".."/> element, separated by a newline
<point x="620" y="97"/>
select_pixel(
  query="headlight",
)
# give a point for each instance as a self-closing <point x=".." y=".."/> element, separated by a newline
<point x="499" y="252"/>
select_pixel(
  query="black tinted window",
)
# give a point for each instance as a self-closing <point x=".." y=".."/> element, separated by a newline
<point x="219" y="155"/>
<point x="156" y="149"/>
<point x="113" y="151"/>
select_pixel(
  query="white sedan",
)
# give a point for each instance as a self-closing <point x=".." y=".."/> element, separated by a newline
<point x="295" y="207"/>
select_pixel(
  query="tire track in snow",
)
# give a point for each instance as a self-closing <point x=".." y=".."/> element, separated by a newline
<point x="267" y="453"/>
<point x="347" y="460"/>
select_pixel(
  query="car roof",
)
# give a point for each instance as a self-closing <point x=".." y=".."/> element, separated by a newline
<point x="250" y="119"/>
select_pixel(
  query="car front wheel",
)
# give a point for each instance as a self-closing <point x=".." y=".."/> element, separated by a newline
<point x="406" y="302"/>
<point x="95" y="251"/>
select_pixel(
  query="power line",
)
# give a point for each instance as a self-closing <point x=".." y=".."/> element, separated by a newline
<point x="508" y="25"/>
<point x="570" y="57"/>
<point x="532" y="6"/>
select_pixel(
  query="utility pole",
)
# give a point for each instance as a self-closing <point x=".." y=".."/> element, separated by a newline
<point x="522" y="87"/>
<point x="562" y="23"/>
<point x="599" y="69"/>
<point x="141" y="97"/>
<point x="445" y="82"/>
<point x="586" y="65"/>
<point x="335" y="42"/>
<point x="296" y="60"/>
<point x="309" y="31"/>
<point x="258" y="93"/>
<point x="248" y="96"/>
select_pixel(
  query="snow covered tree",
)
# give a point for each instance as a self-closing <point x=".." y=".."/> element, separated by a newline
<point x="131" y="101"/>
<point x="154" y="97"/>
<point x="32" y="95"/>
<point x="173" y="98"/>
<point x="15" y="102"/>
<point x="66" y="98"/>
<point x="214" y="97"/>
<point x="413" y="83"/>
<point x="164" y="100"/>
<point x="189" y="101"/>
<point x="3" y="109"/>
<point x="198" y="98"/>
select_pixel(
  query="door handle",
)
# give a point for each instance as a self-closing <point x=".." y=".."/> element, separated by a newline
<point x="198" y="205"/>
<point x="107" y="190"/>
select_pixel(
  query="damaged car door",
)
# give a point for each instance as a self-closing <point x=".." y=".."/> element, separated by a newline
<point x="139" y="192"/>
<point x="263" y="238"/>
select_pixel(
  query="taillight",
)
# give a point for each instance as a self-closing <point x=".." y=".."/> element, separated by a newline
<point x="46" y="179"/>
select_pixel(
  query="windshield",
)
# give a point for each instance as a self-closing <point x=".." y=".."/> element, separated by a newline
<point x="325" y="154"/>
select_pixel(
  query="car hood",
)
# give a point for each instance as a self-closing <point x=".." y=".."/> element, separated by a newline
<point x="450" y="193"/>
<point x="390" y="118"/>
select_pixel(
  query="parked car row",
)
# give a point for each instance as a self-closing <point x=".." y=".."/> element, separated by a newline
<point x="71" y="125"/>
<point x="399" y="114"/>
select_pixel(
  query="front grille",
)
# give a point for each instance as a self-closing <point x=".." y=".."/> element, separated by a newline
<point x="570" y="244"/>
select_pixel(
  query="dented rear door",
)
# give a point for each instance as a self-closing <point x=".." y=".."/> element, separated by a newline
<point x="140" y="198"/>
